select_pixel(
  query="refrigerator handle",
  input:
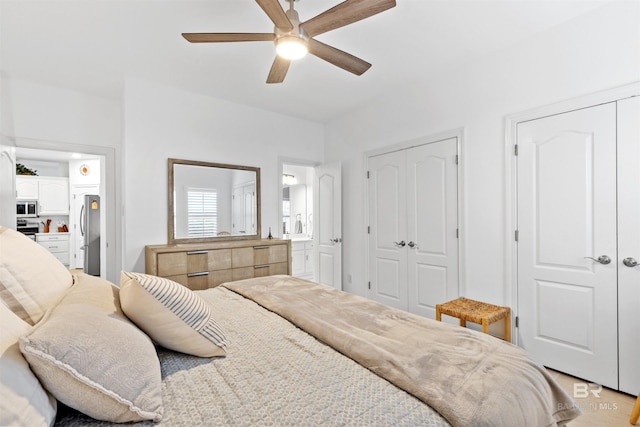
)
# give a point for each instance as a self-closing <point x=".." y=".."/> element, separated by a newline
<point x="81" y="216"/>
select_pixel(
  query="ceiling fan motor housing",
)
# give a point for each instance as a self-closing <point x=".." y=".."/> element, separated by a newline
<point x="291" y="44"/>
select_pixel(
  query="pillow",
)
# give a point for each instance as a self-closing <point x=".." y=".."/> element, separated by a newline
<point x="24" y="402"/>
<point x="31" y="278"/>
<point x="171" y="314"/>
<point x="93" y="359"/>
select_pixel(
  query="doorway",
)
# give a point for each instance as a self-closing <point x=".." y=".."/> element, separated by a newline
<point x="311" y="216"/>
<point x="109" y="178"/>
<point x="81" y="174"/>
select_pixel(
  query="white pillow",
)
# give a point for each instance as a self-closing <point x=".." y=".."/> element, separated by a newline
<point x="31" y="278"/>
<point x="92" y="358"/>
<point x="24" y="401"/>
<point x="171" y="314"/>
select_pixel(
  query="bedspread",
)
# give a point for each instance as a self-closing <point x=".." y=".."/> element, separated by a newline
<point x="472" y="379"/>
<point x="273" y="374"/>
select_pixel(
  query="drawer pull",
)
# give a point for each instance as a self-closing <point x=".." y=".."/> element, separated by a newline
<point x="53" y="247"/>
<point x="261" y="266"/>
<point x="197" y="252"/>
<point x="261" y="247"/>
<point x="202" y="273"/>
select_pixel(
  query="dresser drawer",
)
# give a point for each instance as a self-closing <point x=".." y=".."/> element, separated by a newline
<point x="53" y="237"/>
<point x="172" y="264"/>
<point x="63" y="257"/>
<point x="56" y="246"/>
<point x="259" y="255"/>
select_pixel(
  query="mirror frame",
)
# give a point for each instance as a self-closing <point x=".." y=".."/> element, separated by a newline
<point x="171" y="217"/>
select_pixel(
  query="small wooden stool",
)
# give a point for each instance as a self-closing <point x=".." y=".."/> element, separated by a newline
<point x="635" y="413"/>
<point x="477" y="312"/>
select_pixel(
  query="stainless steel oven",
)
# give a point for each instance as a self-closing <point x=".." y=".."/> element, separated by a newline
<point x="27" y="208"/>
<point x="27" y="228"/>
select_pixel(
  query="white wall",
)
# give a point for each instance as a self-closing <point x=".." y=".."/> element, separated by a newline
<point x="162" y="122"/>
<point x="596" y="51"/>
<point x="45" y="113"/>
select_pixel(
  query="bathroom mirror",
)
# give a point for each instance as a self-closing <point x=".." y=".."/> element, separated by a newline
<point x="294" y="211"/>
<point x="212" y="201"/>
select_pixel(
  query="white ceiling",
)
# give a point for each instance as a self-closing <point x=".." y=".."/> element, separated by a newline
<point x="92" y="45"/>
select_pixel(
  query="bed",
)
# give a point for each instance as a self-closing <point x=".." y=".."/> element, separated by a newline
<point x="292" y="352"/>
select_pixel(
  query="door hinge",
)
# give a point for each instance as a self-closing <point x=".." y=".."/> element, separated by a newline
<point x="517" y="321"/>
<point x="369" y="285"/>
<point x="368" y="229"/>
<point x="515" y="150"/>
<point x="457" y="159"/>
<point x="457" y="233"/>
<point x="516" y="235"/>
<point x="367" y="174"/>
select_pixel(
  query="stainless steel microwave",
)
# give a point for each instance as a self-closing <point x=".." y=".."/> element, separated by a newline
<point x="27" y="208"/>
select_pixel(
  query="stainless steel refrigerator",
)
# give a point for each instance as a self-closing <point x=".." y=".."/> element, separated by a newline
<point x="90" y="229"/>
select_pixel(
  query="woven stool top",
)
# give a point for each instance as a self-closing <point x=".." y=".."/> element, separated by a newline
<point x="474" y="311"/>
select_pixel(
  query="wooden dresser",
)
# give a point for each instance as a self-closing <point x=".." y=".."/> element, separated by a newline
<point x="206" y="265"/>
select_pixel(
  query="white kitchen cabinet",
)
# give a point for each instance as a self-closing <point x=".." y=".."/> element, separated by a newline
<point x="302" y="259"/>
<point x="57" y="244"/>
<point x="53" y="196"/>
<point x="52" y="193"/>
<point x="27" y="187"/>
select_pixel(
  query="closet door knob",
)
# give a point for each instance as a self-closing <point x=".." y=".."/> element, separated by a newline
<point x="602" y="259"/>
<point x="401" y="244"/>
<point x="630" y="262"/>
<point x="412" y="245"/>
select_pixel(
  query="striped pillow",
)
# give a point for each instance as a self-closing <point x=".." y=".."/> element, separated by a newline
<point x="171" y="314"/>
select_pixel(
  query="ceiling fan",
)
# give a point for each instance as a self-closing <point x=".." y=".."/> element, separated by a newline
<point x="294" y="39"/>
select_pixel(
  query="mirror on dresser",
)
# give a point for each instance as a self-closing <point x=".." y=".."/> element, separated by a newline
<point x="212" y="201"/>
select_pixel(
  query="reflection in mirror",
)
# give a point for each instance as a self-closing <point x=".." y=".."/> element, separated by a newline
<point x="212" y="201"/>
<point x="294" y="210"/>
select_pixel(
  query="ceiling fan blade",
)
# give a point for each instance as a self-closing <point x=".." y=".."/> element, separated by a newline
<point x="338" y="57"/>
<point x="345" y="13"/>
<point x="278" y="70"/>
<point x="277" y="15"/>
<point x="228" y="37"/>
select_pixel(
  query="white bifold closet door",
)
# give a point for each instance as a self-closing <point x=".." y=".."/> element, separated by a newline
<point x="577" y="221"/>
<point x="629" y="245"/>
<point x="413" y="245"/>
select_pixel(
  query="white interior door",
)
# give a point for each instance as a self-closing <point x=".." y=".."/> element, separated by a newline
<point x="7" y="186"/>
<point x="327" y="236"/>
<point x="237" y="213"/>
<point x="388" y="229"/>
<point x="629" y="243"/>
<point x="567" y="303"/>
<point x="77" y="239"/>
<point x="249" y="208"/>
<point x="432" y="223"/>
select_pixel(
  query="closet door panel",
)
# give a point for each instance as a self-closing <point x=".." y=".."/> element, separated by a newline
<point x="432" y="219"/>
<point x="388" y="229"/>
<point x="629" y="243"/>
<point x="567" y="303"/>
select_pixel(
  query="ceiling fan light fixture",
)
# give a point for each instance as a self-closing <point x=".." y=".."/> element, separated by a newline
<point x="291" y="47"/>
